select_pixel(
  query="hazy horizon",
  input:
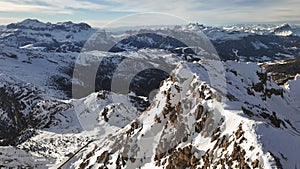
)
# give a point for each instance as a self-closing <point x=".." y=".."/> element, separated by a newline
<point x="117" y="27"/>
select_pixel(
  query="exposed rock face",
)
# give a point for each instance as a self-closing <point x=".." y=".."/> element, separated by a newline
<point x="22" y="109"/>
<point x="283" y="70"/>
<point x="187" y="126"/>
<point x="283" y="30"/>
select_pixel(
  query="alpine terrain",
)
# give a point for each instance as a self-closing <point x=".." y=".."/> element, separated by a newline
<point x="191" y="96"/>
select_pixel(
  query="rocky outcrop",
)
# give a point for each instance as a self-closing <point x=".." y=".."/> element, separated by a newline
<point x="186" y="127"/>
<point x="23" y="109"/>
<point x="283" y="70"/>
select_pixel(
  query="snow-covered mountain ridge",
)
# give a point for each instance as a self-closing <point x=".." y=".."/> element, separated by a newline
<point x="191" y="125"/>
<point x="244" y="42"/>
<point x="183" y="107"/>
<point x="258" y="43"/>
<point x="34" y="34"/>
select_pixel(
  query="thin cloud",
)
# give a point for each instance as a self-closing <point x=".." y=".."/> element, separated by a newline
<point x="5" y="20"/>
<point x="217" y="11"/>
<point x="14" y="7"/>
<point x="50" y="6"/>
<point x="141" y="19"/>
<point x="72" y="4"/>
<point x="211" y="12"/>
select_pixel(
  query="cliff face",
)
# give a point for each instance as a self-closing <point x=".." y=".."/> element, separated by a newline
<point x="283" y="70"/>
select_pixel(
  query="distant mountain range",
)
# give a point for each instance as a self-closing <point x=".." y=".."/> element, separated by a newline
<point x="249" y="43"/>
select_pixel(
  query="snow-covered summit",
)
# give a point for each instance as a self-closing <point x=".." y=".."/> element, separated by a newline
<point x="60" y="37"/>
<point x="192" y="125"/>
<point x="35" y="24"/>
<point x="283" y="30"/>
<point x="27" y="23"/>
<point x="231" y="32"/>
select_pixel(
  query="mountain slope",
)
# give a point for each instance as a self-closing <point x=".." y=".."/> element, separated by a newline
<point x="193" y="125"/>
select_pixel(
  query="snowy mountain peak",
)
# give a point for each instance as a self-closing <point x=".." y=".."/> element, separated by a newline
<point x="284" y="26"/>
<point x="35" y="24"/>
<point x="283" y="30"/>
<point x="79" y="26"/>
<point x="59" y="37"/>
<point x="196" y="26"/>
<point x="192" y="125"/>
<point x="27" y="23"/>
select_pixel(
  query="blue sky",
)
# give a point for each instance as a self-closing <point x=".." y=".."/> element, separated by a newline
<point x="113" y="13"/>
